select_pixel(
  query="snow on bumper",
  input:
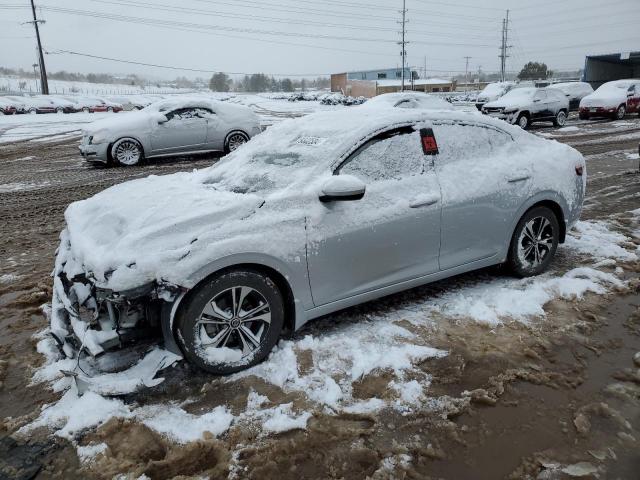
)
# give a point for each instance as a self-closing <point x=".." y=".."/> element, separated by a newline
<point x="93" y="152"/>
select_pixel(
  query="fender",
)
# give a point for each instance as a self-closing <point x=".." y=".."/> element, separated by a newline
<point x="543" y="196"/>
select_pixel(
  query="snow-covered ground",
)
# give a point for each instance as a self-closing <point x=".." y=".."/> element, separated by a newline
<point x="64" y="87"/>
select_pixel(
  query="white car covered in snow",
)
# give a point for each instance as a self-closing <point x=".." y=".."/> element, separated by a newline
<point x="574" y="91"/>
<point x="612" y="99"/>
<point x="172" y="127"/>
<point x="408" y="100"/>
<point x="314" y="215"/>
<point x="493" y="92"/>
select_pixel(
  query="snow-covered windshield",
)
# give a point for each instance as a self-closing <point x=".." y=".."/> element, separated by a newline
<point x="520" y="94"/>
<point x="494" y="89"/>
<point x="614" y="87"/>
<point x="288" y="154"/>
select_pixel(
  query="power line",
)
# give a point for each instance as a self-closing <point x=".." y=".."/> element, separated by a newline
<point x="171" y="23"/>
<point x="259" y="18"/>
<point x="186" y="69"/>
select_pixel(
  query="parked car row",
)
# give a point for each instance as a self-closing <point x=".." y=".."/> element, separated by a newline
<point x="526" y="105"/>
<point x="314" y="215"/>
<point x="18" y="104"/>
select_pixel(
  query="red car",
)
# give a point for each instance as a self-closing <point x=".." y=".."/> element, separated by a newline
<point x="613" y="99"/>
<point x="6" y="107"/>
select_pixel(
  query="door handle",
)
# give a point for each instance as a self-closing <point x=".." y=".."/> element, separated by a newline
<point x="519" y="179"/>
<point x="424" y="202"/>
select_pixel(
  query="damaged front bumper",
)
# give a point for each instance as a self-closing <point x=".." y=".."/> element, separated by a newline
<point x="93" y="320"/>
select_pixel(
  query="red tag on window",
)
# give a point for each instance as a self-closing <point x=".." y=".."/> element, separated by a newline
<point x="429" y="144"/>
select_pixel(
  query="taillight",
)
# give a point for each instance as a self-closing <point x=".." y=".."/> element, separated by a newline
<point x="579" y="170"/>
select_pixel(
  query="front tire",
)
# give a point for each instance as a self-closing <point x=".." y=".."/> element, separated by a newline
<point x="33" y="111"/>
<point x="59" y="110"/>
<point x="620" y="112"/>
<point x="523" y="121"/>
<point x="534" y="242"/>
<point x="231" y="322"/>
<point x="127" y="152"/>
<point x="234" y="141"/>
<point x="109" y="109"/>
<point x="561" y="119"/>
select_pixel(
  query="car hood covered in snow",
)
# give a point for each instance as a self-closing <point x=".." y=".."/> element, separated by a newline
<point x="121" y="234"/>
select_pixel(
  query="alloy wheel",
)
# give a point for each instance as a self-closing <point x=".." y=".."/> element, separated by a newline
<point x="235" y="141"/>
<point x="237" y="318"/>
<point x="621" y="112"/>
<point x="127" y="153"/>
<point x="535" y="242"/>
<point x="561" y="119"/>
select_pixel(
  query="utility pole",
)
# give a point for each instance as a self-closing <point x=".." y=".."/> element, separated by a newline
<point x="504" y="46"/>
<point x="403" y="42"/>
<point x="466" y="74"/>
<point x="44" y="84"/>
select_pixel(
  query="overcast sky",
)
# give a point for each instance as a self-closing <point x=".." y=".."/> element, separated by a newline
<point x="313" y="37"/>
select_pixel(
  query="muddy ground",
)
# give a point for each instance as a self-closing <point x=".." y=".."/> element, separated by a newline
<point x="516" y="401"/>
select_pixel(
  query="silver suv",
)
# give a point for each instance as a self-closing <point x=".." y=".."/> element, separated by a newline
<point x="524" y="106"/>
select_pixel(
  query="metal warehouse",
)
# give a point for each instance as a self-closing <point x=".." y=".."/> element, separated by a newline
<point x="599" y="69"/>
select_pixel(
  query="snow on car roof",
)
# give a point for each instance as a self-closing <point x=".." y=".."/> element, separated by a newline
<point x="421" y="100"/>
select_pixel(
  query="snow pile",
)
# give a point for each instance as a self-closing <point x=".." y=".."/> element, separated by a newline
<point x="182" y="427"/>
<point x="521" y="300"/>
<point x="595" y="239"/>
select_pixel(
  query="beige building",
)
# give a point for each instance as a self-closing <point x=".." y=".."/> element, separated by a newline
<point x="340" y="82"/>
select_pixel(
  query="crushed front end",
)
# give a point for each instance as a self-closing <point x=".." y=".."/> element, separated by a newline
<point x="86" y="318"/>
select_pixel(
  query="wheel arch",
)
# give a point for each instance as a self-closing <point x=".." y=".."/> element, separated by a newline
<point x="552" y="201"/>
<point x="290" y="285"/>
<point x="235" y="130"/>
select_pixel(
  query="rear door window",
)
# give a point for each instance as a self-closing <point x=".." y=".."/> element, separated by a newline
<point x="459" y="141"/>
<point x="391" y="155"/>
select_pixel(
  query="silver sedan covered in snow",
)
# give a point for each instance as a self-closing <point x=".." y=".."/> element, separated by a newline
<point x="169" y="127"/>
<point x="314" y="215"/>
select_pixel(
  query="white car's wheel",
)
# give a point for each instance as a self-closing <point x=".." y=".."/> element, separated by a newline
<point x="234" y="141"/>
<point x="126" y="151"/>
<point x="561" y="119"/>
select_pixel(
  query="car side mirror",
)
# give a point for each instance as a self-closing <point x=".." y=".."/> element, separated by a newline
<point x="162" y="119"/>
<point x="536" y="100"/>
<point x="342" y="188"/>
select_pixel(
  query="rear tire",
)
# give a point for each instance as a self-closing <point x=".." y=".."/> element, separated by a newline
<point x="86" y="109"/>
<point x="523" y="121"/>
<point x="620" y="112"/>
<point x="231" y="322"/>
<point x="59" y="110"/>
<point x="534" y="242"/>
<point x="561" y="119"/>
<point x="33" y="111"/>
